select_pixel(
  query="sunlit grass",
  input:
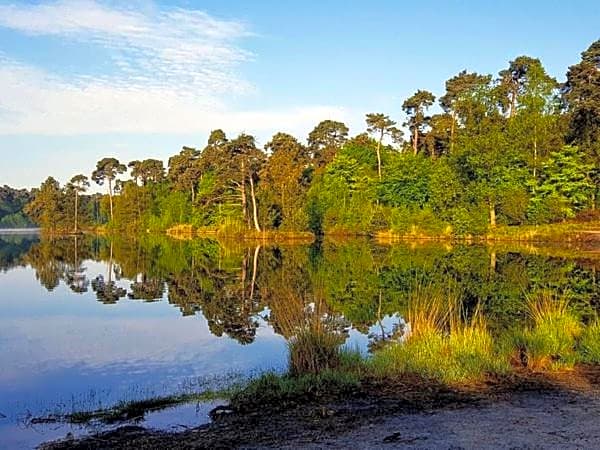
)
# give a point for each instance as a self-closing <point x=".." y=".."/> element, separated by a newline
<point x="550" y="343"/>
<point x="464" y="354"/>
<point x="589" y="346"/>
<point x="440" y="343"/>
<point x="430" y="310"/>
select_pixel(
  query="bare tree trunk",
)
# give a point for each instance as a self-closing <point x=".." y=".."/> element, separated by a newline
<point x="254" y="271"/>
<point x="254" y="209"/>
<point x="492" y="214"/>
<point x="379" y="318"/>
<point x="535" y="151"/>
<point x="513" y="102"/>
<point x="110" y="263"/>
<point x="76" y="255"/>
<point x="243" y="191"/>
<point x="493" y="261"/>
<point x="76" y="207"/>
<point x="415" y="139"/>
<point x="110" y="198"/>
<point x="379" y="155"/>
<point x="452" y="130"/>
<point x="243" y="280"/>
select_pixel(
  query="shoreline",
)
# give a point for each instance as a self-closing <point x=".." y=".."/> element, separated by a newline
<point x="363" y="418"/>
<point x="566" y="233"/>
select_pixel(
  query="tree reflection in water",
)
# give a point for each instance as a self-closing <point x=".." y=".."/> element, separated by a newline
<point x="337" y="284"/>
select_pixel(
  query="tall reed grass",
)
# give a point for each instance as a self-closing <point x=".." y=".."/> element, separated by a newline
<point x="441" y="341"/>
<point x="550" y="342"/>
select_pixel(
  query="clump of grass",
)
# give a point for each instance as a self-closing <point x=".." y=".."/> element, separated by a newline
<point x="273" y="390"/>
<point x="441" y="343"/>
<point x="551" y="342"/>
<point x="465" y="353"/>
<point x="314" y="349"/>
<point x="589" y="345"/>
<point x="429" y="310"/>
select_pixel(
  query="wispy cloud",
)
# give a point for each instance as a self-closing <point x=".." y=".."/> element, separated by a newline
<point x="187" y="50"/>
<point x="171" y="71"/>
<point x="37" y="102"/>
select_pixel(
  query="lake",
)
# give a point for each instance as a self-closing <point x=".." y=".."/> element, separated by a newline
<point x="89" y="321"/>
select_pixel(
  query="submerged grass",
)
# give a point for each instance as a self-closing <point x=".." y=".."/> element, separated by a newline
<point x="442" y="343"/>
<point x="129" y="410"/>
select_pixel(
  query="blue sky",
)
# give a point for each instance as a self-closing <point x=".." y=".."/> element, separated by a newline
<point x="84" y="79"/>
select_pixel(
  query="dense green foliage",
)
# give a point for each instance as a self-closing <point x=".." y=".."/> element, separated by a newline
<point x="512" y="149"/>
<point x="12" y="202"/>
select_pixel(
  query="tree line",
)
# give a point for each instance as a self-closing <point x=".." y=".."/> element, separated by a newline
<point x="12" y="202"/>
<point x="515" y="148"/>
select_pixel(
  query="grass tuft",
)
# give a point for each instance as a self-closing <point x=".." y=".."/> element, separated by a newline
<point x="273" y="390"/>
<point x="551" y="342"/>
<point x="589" y="345"/>
<point x="314" y="349"/>
<point x="441" y="343"/>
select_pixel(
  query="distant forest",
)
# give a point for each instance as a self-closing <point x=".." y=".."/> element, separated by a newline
<point x="12" y="203"/>
<point x="513" y="148"/>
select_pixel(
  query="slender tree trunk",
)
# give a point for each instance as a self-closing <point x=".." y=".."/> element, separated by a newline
<point x="379" y="155"/>
<point x="283" y="206"/>
<point x="254" y="208"/>
<point x="75" y="263"/>
<point x="243" y="192"/>
<point x="492" y="214"/>
<point x="110" y="198"/>
<point x="110" y="263"/>
<point x="493" y="261"/>
<point x="243" y="279"/>
<point x="76" y="207"/>
<point x="379" y="318"/>
<point x="415" y="139"/>
<point x="513" y="102"/>
<point x="452" y="130"/>
<point x="254" y="271"/>
<point x="535" y="152"/>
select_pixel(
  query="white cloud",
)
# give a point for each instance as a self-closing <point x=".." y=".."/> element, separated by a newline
<point x="39" y="103"/>
<point x="173" y="71"/>
<point x="157" y="47"/>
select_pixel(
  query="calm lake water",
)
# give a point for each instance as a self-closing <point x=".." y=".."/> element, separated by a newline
<point x="87" y="322"/>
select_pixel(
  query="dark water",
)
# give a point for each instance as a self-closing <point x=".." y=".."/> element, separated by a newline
<point x="87" y="322"/>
